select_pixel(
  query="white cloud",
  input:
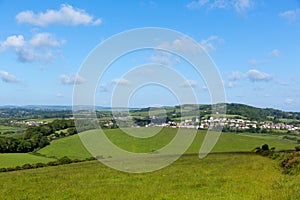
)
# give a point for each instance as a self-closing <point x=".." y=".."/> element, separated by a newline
<point x="275" y="53"/>
<point x="59" y="95"/>
<point x="290" y="15"/>
<point x="72" y="79"/>
<point x="121" y="81"/>
<point x="44" y="40"/>
<point x="104" y="88"/>
<point x="231" y="84"/>
<point x="196" y="4"/>
<point x="163" y="58"/>
<point x="289" y="101"/>
<point x="8" y="78"/>
<point x="15" y="42"/>
<point x="253" y="62"/>
<point x="187" y="46"/>
<point x="255" y="75"/>
<point x="66" y="15"/>
<point x="236" y="75"/>
<point x="181" y="45"/>
<point x="208" y="44"/>
<point x="240" y="6"/>
<point x="189" y="83"/>
<point x="220" y="4"/>
<point x="38" y="48"/>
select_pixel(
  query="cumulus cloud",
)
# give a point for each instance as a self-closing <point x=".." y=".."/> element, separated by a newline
<point x="290" y="15"/>
<point x="66" y="15"/>
<point x="72" y="79"/>
<point x="189" y="83"/>
<point x="38" y="48"/>
<point x="240" y="6"/>
<point x="255" y="75"/>
<point x="8" y="78"/>
<point x="121" y="81"/>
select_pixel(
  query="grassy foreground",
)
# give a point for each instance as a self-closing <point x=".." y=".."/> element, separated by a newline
<point x="218" y="176"/>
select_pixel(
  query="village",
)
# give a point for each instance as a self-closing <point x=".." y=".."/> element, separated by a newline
<point x="228" y="123"/>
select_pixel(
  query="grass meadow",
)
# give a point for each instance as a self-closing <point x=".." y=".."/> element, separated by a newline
<point x="19" y="159"/>
<point x="218" y="176"/>
<point x="221" y="175"/>
<point x="72" y="147"/>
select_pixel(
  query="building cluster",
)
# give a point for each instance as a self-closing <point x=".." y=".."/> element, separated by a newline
<point x="28" y="123"/>
<point x="230" y="123"/>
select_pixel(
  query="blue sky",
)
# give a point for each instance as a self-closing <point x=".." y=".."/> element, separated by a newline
<point x="255" y="45"/>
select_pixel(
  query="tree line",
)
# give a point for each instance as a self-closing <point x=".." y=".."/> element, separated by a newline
<point x="35" y="137"/>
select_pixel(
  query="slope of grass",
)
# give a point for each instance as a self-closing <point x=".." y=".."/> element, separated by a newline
<point x="69" y="146"/>
<point x="226" y="176"/>
<point x="72" y="147"/>
<point x="19" y="159"/>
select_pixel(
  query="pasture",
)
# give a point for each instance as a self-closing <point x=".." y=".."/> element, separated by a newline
<point x="218" y="176"/>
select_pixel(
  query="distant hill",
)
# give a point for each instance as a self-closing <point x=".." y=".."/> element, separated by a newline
<point x="240" y="110"/>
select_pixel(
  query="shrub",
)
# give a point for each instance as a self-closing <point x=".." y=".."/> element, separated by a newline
<point x="297" y="148"/>
<point x="90" y="159"/>
<point x="8" y="169"/>
<point x="52" y="163"/>
<point x="3" y="169"/>
<point x="38" y="165"/>
<point x="291" y="163"/>
<point x="27" y="166"/>
<point x="265" y="147"/>
<point x="64" y="160"/>
<point x="77" y="160"/>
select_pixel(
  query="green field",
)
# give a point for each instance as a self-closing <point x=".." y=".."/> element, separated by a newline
<point x="72" y="147"/>
<point x="218" y="176"/>
<point x="4" y="128"/>
<point x="19" y="159"/>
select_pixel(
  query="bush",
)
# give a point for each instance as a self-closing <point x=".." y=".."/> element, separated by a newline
<point x="27" y="166"/>
<point x="90" y="159"/>
<point x="265" y="147"/>
<point x="9" y="169"/>
<point x="297" y="148"/>
<point x="64" y="160"/>
<point x="52" y="163"/>
<point x="291" y="163"/>
<point x="3" y="169"/>
<point x="38" y="165"/>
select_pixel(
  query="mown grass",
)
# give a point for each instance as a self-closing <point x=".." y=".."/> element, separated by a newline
<point x="72" y="147"/>
<point x="19" y="159"/>
<point x="218" y="176"/>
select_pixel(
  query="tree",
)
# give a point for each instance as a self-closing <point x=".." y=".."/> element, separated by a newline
<point x="265" y="147"/>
